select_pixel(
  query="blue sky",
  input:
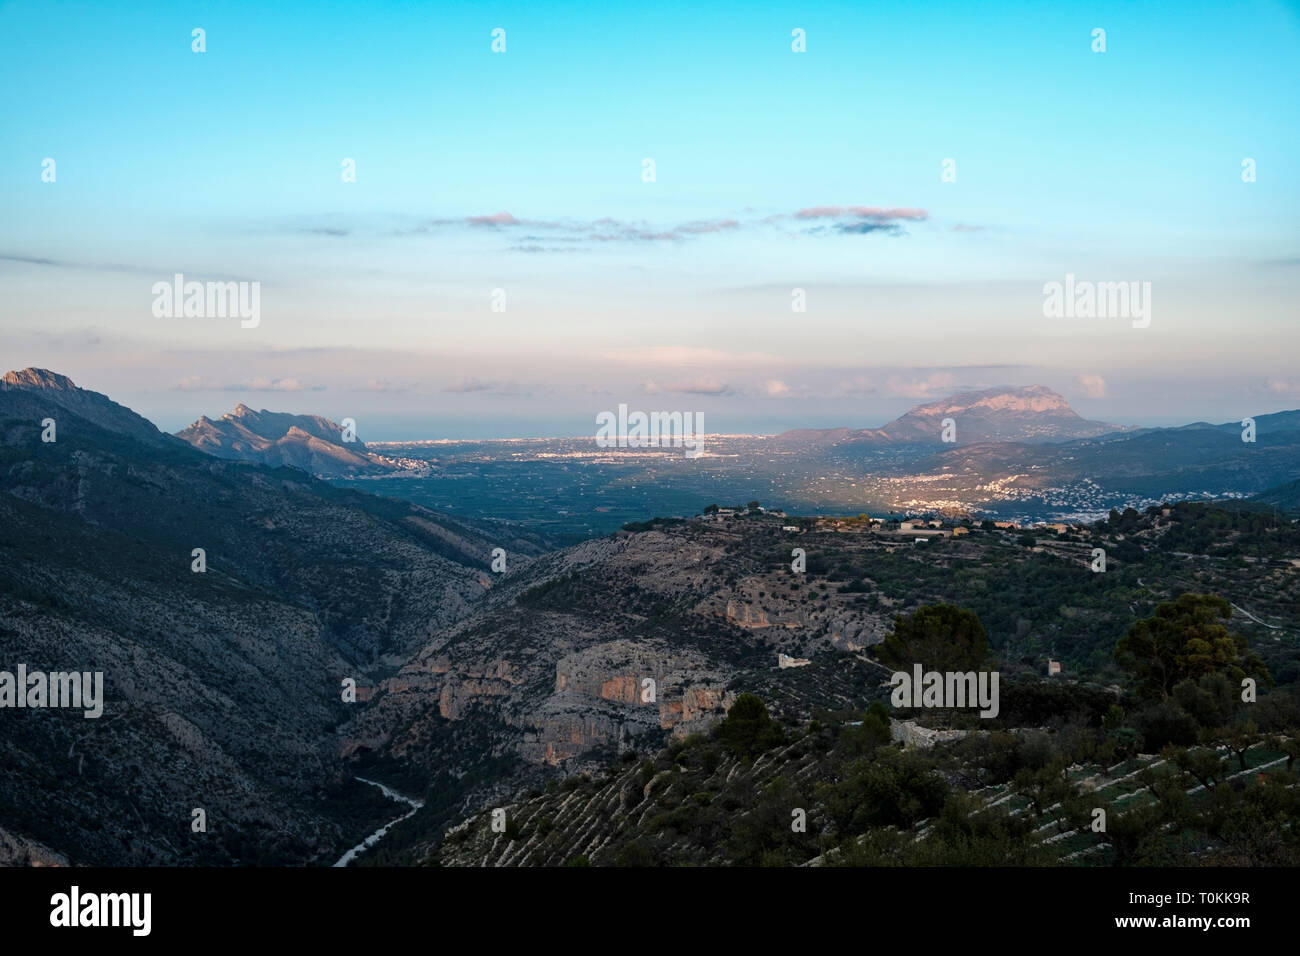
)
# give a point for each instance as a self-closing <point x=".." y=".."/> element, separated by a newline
<point x="775" y="170"/>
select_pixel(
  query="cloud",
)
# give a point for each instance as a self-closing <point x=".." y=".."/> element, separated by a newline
<point x="609" y="230"/>
<point x="863" y="228"/>
<point x="34" y="260"/>
<point x="845" y="220"/>
<point x="195" y="383"/>
<point x="934" y="384"/>
<point x="861" y="212"/>
<point x="683" y="355"/>
<point x="274" y="385"/>
<point x="858" y="220"/>
<point x="467" y="385"/>
<point x="496" y="219"/>
<point x="701" y="386"/>
<point x="156" y="272"/>
<point x="775" y="388"/>
<point x="1094" y="386"/>
<point x="858" y="385"/>
<point x="1282" y="387"/>
<point x="384" y="386"/>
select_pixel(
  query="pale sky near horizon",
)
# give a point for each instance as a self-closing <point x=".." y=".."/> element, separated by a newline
<point x="522" y="171"/>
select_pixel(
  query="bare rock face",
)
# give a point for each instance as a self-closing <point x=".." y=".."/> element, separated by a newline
<point x="310" y="442"/>
<point x="17" y="850"/>
<point x="613" y="645"/>
<point x="38" y="393"/>
<point x="855" y="631"/>
<point x="1028" y="413"/>
<point x="462" y="688"/>
<point x="911" y="734"/>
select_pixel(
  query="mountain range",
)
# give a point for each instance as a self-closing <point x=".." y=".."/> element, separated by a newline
<point x="222" y="685"/>
<point x="475" y="681"/>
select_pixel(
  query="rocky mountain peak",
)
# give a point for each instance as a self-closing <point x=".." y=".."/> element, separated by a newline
<point x="1007" y="399"/>
<point x="38" y="378"/>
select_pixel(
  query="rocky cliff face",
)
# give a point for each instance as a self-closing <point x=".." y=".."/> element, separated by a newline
<point x="614" y="645"/>
<point x="309" y="442"/>
<point x="36" y="394"/>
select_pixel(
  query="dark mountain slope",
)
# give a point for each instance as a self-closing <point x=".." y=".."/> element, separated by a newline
<point x="222" y="689"/>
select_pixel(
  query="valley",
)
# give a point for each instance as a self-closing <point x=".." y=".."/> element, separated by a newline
<point x="475" y="687"/>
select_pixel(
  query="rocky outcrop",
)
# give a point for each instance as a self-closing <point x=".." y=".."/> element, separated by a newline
<point x="911" y="734"/>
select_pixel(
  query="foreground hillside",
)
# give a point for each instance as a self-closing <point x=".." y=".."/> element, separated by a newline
<point x="547" y="675"/>
<point x="844" y="794"/>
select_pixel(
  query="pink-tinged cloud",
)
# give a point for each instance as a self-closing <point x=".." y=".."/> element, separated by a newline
<point x="861" y="212"/>
<point x="707" y="226"/>
<point x="496" y="219"/>
<point x="1094" y="386"/>
<point x="934" y="384"/>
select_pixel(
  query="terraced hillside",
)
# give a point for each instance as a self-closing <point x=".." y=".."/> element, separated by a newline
<point x="992" y="798"/>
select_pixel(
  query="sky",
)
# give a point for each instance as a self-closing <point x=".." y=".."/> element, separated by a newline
<point x="504" y="264"/>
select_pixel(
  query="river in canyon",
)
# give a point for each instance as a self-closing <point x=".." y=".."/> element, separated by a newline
<point x="378" y="835"/>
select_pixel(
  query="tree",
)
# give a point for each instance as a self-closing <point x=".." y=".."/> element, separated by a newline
<point x="1204" y="765"/>
<point x="748" y="728"/>
<point x="941" y="637"/>
<point x="1238" y="738"/>
<point x="872" y="732"/>
<point x="1046" y="789"/>
<point x="891" y="788"/>
<point x="1291" y="747"/>
<point x="1184" y="640"/>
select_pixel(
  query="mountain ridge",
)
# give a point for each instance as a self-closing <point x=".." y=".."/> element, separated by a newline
<point x="1005" y="413"/>
<point x="312" y="443"/>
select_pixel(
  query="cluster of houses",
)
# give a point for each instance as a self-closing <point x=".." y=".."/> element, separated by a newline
<point x="722" y="514"/>
<point x="919" y="529"/>
<point x="924" y="528"/>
